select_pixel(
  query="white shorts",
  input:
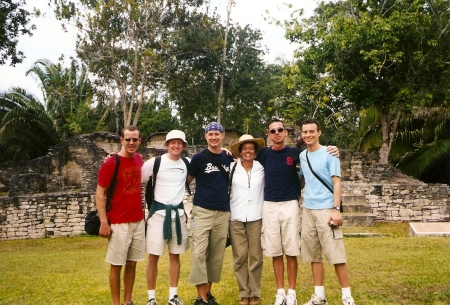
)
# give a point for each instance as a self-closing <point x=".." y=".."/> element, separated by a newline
<point x="281" y="226"/>
<point x="155" y="237"/>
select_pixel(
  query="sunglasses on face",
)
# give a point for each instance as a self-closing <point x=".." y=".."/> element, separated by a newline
<point x="131" y="139"/>
<point x="279" y="129"/>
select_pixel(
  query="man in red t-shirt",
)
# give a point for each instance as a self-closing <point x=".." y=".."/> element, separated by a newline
<point x="123" y="224"/>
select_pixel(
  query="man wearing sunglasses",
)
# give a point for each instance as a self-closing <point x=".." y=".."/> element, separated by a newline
<point x="281" y="212"/>
<point x="123" y="223"/>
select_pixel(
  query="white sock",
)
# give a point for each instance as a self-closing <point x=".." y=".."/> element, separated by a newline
<point x="151" y="294"/>
<point x="281" y="290"/>
<point x="291" y="291"/>
<point x="320" y="291"/>
<point x="346" y="292"/>
<point x="173" y="291"/>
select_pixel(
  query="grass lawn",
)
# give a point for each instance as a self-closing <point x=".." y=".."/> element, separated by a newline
<point x="392" y="269"/>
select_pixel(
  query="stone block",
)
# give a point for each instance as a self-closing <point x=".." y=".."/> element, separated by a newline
<point x="406" y="213"/>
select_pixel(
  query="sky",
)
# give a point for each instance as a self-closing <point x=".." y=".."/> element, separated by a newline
<point x="49" y="41"/>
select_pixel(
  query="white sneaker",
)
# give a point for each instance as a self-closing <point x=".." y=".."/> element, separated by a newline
<point x="291" y="299"/>
<point x="152" y="302"/>
<point x="315" y="300"/>
<point x="175" y="301"/>
<point x="348" y="301"/>
<point x="280" y="299"/>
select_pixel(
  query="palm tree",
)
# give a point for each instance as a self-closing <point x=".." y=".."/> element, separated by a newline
<point x="67" y="97"/>
<point x="26" y="130"/>
<point x="421" y="143"/>
<point x="431" y="146"/>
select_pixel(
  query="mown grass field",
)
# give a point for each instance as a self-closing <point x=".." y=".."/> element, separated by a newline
<point x="392" y="269"/>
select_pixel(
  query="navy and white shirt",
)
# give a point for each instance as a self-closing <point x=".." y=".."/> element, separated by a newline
<point x="211" y="191"/>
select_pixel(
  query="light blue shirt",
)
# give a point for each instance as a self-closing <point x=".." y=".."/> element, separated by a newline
<point x="316" y="196"/>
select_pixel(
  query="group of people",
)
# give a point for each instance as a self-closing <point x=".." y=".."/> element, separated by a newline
<point x="252" y="199"/>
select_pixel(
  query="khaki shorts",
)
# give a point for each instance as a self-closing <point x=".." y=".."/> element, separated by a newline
<point x="127" y="243"/>
<point x="281" y="228"/>
<point x="318" y="237"/>
<point x="155" y="236"/>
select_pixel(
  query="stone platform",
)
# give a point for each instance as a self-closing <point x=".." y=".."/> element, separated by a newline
<point x="429" y="229"/>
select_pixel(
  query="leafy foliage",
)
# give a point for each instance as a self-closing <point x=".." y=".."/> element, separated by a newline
<point x="194" y="80"/>
<point x="157" y="118"/>
<point x="68" y="95"/>
<point x="125" y="45"/>
<point x="26" y="130"/>
<point x="390" y="55"/>
<point x="14" y="21"/>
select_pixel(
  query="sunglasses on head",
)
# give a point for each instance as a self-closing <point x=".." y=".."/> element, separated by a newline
<point x="279" y="129"/>
<point x="131" y="139"/>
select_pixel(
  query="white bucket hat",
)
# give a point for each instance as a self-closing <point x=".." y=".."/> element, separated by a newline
<point x="234" y="148"/>
<point x="176" y="134"/>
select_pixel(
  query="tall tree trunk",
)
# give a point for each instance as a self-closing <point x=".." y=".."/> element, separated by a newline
<point x="134" y="80"/>
<point x="224" y="57"/>
<point x="389" y="123"/>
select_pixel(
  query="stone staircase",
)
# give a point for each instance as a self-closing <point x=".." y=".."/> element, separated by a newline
<point x="357" y="212"/>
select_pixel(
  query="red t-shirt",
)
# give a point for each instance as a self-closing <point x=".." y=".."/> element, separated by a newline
<point x="126" y="203"/>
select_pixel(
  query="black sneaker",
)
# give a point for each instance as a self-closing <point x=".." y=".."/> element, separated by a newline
<point x="199" y="301"/>
<point x="211" y="299"/>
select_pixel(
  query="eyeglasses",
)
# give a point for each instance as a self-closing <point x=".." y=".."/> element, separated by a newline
<point x="131" y="139"/>
<point x="279" y="129"/>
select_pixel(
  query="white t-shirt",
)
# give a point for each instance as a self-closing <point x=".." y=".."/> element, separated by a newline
<point x="170" y="181"/>
<point x="247" y="192"/>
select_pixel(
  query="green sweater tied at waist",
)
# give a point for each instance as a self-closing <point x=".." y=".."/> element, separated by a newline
<point x="167" y="225"/>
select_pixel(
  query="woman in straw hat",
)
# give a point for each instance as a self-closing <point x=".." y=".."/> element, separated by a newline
<point x="246" y="203"/>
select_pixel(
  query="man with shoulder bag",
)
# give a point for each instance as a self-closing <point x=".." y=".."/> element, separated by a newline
<point x="321" y="219"/>
<point x="166" y="223"/>
<point x="123" y="223"/>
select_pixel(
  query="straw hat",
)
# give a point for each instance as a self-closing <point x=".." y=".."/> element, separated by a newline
<point x="246" y="138"/>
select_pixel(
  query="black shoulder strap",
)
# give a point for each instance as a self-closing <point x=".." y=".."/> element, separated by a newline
<point x="317" y="176"/>
<point x="214" y="161"/>
<point x="295" y="157"/>
<point x="323" y="182"/>
<point x="155" y="171"/>
<point x="231" y="177"/>
<point x="186" y="162"/>
<point x="112" y="185"/>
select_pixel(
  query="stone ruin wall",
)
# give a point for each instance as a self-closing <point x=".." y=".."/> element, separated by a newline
<point x="392" y="195"/>
<point x="49" y="196"/>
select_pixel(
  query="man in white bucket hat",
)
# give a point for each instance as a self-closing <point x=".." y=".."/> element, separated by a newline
<point x="167" y="221"/>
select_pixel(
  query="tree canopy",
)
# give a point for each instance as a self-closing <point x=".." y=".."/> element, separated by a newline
<point x="391" y="55"/>
<point x="126" y="44"/>
<point x="14" y="21"/>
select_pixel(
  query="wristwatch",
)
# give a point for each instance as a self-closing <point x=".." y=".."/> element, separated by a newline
<point x="337" y="208"/>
